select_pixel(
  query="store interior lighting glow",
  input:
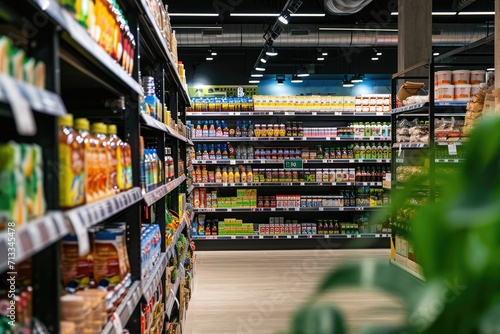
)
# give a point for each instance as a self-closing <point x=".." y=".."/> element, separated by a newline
<point x="374" y="58"/>
<point x="276" y="15"/>
<point x="379" y="53"/>
<point x="490" y="69"/>
<point x="210" y="58"/>
<point x="194" y="14"/>
<point x="296" y="79"/>
<point x="435" y="54"/>
<point x="347" y="83"/>
<point x="260" y="68"/>
<point x="284" y="18"/>
<point x="356" y="29"/>
<point x="433" y="13"/>
<point x="324" y="53"/>
<point x="476" y="13"/>
<point x="357" y="78"/>
<point x="264" y="59"/>
<point x="256" y="75"/>
<point x="270" y="51"/>
<point x="213" y="53"/>
<point x="254" y="81"/>
<point x="320" y="58"/>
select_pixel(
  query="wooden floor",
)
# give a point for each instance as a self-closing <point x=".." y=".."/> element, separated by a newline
<point x="255" y="292"/>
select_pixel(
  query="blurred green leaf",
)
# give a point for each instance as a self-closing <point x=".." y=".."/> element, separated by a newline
<point x="490" y="321"/>
<point x="318" y="319"/>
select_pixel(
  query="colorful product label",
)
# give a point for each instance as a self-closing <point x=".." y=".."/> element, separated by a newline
<point x="71" y="175"/>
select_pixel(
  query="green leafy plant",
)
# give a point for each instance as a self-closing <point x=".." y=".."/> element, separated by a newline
<point x="457" y="240"/>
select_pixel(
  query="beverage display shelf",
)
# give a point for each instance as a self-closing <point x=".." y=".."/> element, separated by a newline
<point x="124" y="310"/>
<point x="410" y="145"/>
<point x="23" y="98"/>
<point x="149" y="286"/>
<point x="420" y="106"/>
<point x="286" y="113"/>
<point x="280" y="161"/>
<point x="172" y="68"/>
<point x="293" y="209"/>
<point x="30" y="238"/>
<point x="315" y="139"/>
<point x="77" y="34"/>
<point x="155" y="195"/>
<point x="175" y="134"/>
<point x="288" y="184"/>
<point x="292" y="236"/>
<point x="88" y="215"/>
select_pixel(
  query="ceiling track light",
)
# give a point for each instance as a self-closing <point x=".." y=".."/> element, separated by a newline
<point x="357" y="78"/>
<point x="254" y="81"/>
<point x="260" y="68"/>
<point x="347" y="83"/>
<point x="210" y="58"/>
<point x="264" y="59"/>
<point x="296" y="79"/>
<point x="270" y="51"/>
<point x="256" y="75"/>
<point x="291" y="7"/>
<point x="302" y="72"/>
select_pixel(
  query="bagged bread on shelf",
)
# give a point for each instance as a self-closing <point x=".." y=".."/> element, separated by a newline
<point x="474" y="108"/>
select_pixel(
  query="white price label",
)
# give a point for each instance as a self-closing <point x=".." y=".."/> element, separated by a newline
<point x="337" y="138"/>
<point x="365" y="183"/>
<point x="231" y="114"/>
<point x="338" y="113"/>
<point x="81" y="233"/>
<point x="379" y="113"/>
<point x="361" y="160"/>
<point x="341" y="208"/>
<point x="455" y="160"/>
<point x="328" y="138"/>
<point x="289" y="237"/>
<point x="348" y="236"/>
<point x="321" y="208"/>
<point x="271" y="113"/>
<point x="232" y="162"/>
<point x="233" y="237"/>
<point x="288" y="113"/>
<point x="377" y="235"/>
<point x="349" y="183"/>
<point x="202" y="184"/>
<point x="232" y="184"/>
<point x="304" y="138"/>
<point x="224" y="184"/>
<point x="302" y="183"/>
<point x="400" y="150"/>
<point x="117" y="323"/>
<point x="229" y="210"/>
<point x="292" y="139"/>
<point x="327" y="236"/>
<point x="379" y="160"/>
<point x="351" y="160"/>
<point x="452" y="149"/>
<point x="237" y="113"/>
<point x="314" y="113"/>
<point x="261" y="237"/>
<point x="273" y="209"/>
<point x="23" y="117"/>
<point x="295" y="236"/>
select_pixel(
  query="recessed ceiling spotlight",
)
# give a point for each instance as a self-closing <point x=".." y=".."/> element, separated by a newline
<point x="357" y="78"/>
<point x="270" y="51"/>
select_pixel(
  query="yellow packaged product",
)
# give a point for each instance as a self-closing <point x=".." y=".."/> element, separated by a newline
<point x="71" y="164"/>
<point x="12" y="189"/>
<point x="5" y="46"/>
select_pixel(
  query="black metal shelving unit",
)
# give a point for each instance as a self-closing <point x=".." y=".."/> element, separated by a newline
<point x="82" y="79"/>
<point x="424" y="153"/>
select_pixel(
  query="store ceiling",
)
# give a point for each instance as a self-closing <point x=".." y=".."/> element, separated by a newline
<point x="239" y="39"/>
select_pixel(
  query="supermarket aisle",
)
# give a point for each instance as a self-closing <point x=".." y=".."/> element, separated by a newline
<point x="255" y="292"/>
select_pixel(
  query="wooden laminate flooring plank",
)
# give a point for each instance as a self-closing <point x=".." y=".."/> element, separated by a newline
<point x="256" y="292"/>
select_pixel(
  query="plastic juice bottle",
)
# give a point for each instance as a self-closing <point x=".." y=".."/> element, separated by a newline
<point x="218" y="129"/>
<point x="82" y="125"/>
<point x="362" y="151"/>
<point x="249" y="174"/>
<point x="243" y="175"/>
<point x="230" y="150"/>
<point x="197" y="174"/>
<point x="224" y="177"/>
<point x="204" y="129"/>
<point x="244" y="129"/>
<point x="225" y="129"/>
<point x="237" y="176"/>
<point x="218" y="153"/>
<point x="211" y="152"/>
<point x="368" y="151"/>
<point x="204" y="174"/>
<point x="116" y="157"/>
<point x="127" y="165"/>
<point x="198" y="131"/>
<point x="238" y="129"/>
<point x="250" y="130"/>
<point x="218" y="175"/>
<point x="157" y="167"/>
<point x="72" y="164"/>
<point x="205" y="152"/>
<point x="230" y="175"/>
<point x="98" y="130"/>
<point x="142" y="153"/>
<point x="211" y="129"/>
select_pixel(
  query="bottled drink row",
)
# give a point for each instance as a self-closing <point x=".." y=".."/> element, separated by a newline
<point x="94" y="162"/>
<point x="247" y="198"/>
<point x="154" y="172"/>
<point x="221" y="128"/>
<point x="248" y="152"/>
<point x="247" y="174"/>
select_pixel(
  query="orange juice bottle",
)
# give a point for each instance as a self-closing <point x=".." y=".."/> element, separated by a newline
<point x="82" y="125"/>
<point x="117" y="175"/>
<point x="127" y="166"/>
<point x="71" y="164"/>
<point x="102" y="177"/>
